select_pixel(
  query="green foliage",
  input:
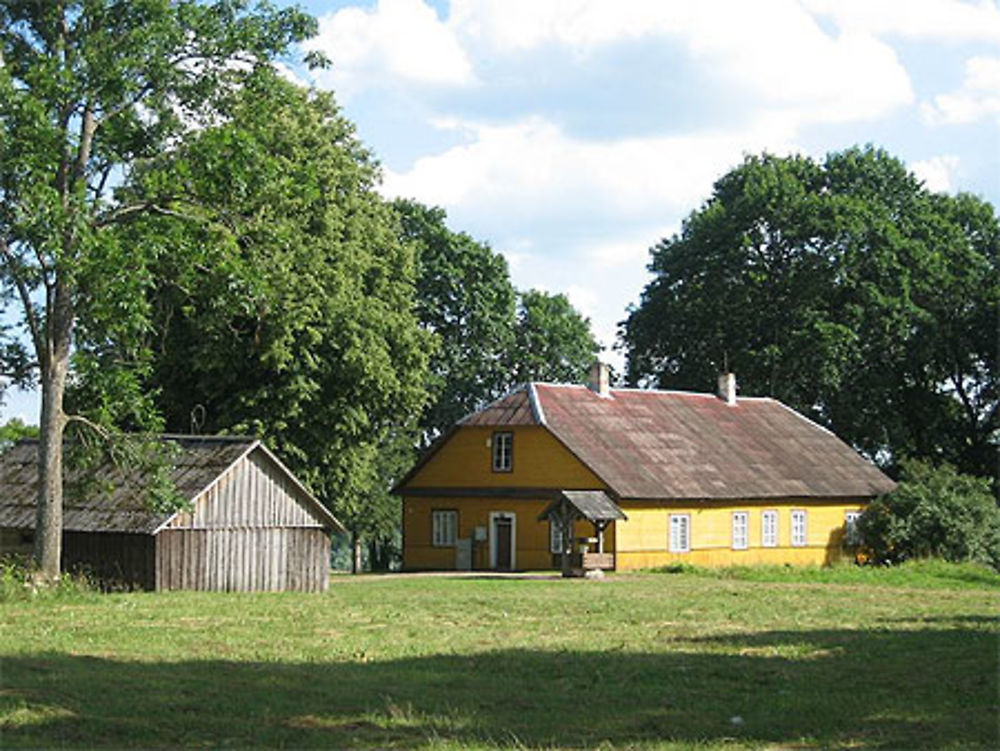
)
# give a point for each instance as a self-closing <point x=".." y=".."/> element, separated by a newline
<point x="14" y="430"/>
<point x="90" y="90"/>
<point x="552" y="341"/>
<point x="465" y="297"/>
<point x="491" y="336"/>
<point x="18" y="582"/>
<point x="935" y="511"/>
<point x="842" y="288"/>
<point x="289" y="311"/>
<point x="143" y="462"/>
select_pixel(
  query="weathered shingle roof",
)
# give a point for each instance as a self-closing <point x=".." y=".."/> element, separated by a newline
<point x="199" y="462"/>
<point x="662" y="444"/>
<point x="592" y="505"/>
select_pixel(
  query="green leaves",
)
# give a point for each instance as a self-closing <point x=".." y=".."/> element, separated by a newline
<point x="290" y="312"/>
<point x="552" y="341"/>
<point x="844" y="289"/>
<point x="935" y="511"/>
<point x="491" y="336"/>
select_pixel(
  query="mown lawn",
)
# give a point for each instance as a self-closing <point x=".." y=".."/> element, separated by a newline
<point x="743" y="659"/>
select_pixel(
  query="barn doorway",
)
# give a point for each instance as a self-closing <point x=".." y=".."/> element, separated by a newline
<point x="503" y="540"/>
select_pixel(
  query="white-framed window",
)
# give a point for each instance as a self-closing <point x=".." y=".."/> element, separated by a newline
<point x="503" y="452"/>
<point x="555" y="535"/>
<point x="798" y="527"/>
<point x="851" y="536"/>
<point x="444" y="528"/>
<point x="741" y="530"/>
<point x="769" y="529"/>
<point x="680" y="533"/>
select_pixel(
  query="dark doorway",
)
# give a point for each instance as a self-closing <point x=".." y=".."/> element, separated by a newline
<point x="503" y="529"/>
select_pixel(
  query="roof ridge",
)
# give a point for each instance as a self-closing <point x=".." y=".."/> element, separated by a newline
<point x="519" y="387"/>
<point x="536" y="404"/>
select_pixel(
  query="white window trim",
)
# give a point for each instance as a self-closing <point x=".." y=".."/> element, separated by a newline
<point x="670" y="534"/>
<point x="437" y="514"/>
<point x="555" y="544"/>
<point x="804" y="541"/>
<point x="745" y="515"/>
<point x="766" y="542"/>
<point x="513" y="538"/>
<point x="495" y="443"/>
<point x="850" y="527"/>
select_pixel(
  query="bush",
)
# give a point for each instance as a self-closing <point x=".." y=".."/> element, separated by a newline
<point x="18" y="582"/>
<point x="934" y="512"/>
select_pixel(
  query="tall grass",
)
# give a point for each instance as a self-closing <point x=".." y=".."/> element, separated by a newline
<point x="929" y="573"/>
<point x="18" y="581"/>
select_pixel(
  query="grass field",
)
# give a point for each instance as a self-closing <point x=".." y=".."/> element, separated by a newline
<point x="840" y="659"/>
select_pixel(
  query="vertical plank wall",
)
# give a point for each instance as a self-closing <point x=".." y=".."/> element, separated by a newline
<point x="251" y="531"/>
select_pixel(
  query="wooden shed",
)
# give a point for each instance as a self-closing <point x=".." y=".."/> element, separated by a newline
<point x="250" y="524"/>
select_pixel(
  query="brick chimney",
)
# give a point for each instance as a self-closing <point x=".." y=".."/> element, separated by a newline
<point x="727" y="389"/>
<point x="600" y="379"/>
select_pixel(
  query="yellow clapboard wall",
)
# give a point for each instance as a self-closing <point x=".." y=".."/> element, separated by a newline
<point x="539" y="461"/>
<point x="643" y="540"/>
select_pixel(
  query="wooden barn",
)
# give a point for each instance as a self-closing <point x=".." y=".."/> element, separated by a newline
<point x="250" y="524"/>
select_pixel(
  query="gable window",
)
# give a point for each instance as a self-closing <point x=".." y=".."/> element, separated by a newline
<point x="799" y="528"/>
<point x="680" y="533"/>
<point x="444" y="528"/>
<point x="503" y="452"/>
<point x="851" y="534"/>
<point x="741" y="534"/>
<point x="769" y="529"/>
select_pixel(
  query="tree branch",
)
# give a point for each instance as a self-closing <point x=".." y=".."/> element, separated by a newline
<point x="124" y="213"/>
<point x="11" y="262"/>
<point x="103" y="432"/>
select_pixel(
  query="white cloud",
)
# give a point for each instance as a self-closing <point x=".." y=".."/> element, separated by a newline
<point x="951" y="20"/>
<point x="584" y="299"/>
<point x="976" y="99"/>
<point x="627" y="252"/>
<point x="532" y="168"/>
<point x="399" y="40"/>
<point x="937" y="173"/>
<point x="774" y="51"/>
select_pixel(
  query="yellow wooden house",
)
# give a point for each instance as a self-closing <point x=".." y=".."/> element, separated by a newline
<point x="628" y="479"/>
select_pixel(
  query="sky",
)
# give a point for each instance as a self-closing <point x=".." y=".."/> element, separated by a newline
<point x="573" y="135"/>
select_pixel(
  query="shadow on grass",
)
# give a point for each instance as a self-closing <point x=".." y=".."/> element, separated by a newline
<point x="829" y="689"/>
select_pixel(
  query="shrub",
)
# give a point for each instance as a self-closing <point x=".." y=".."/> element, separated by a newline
<point x="935" y="511"/>
<point x="18" y="582"/>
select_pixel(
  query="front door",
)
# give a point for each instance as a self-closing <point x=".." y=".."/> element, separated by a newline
<point x="504" y="542"/>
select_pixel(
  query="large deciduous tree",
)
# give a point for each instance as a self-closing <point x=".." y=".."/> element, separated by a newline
<point x="491" y="336"/>
<point x="88" y="90"/>
<point x="296" y="321"/>
<point x="465" y="297"/>
<point x="552" y="340"/>
<point x="844" y="288"/>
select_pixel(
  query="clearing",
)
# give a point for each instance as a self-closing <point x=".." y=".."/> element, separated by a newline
<point x="849" y="659"/>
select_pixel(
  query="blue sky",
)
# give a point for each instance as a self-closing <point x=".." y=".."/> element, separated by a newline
<point x="571" y="135"/>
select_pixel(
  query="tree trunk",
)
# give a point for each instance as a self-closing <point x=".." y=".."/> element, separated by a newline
<point x="54" y="361"/>
<point x="49" y="511"/>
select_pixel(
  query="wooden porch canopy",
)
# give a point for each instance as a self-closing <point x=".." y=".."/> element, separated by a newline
<point x="593" y="505"/>
<point x="596" y="507"/>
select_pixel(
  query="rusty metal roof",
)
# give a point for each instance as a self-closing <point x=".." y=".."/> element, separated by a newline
<point x="514" y="408"/>
<point x="668" y="444"/>
<point x="119" y="507"/>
